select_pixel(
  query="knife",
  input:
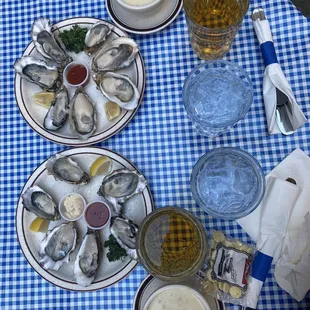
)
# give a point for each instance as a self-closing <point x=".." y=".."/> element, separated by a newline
<point x="284" y="113"/>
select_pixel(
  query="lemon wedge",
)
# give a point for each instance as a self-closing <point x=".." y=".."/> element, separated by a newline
<point x="101" y="166"/>
<point x="43" y="98"/>
<point x="112" y="110"/>
<point x="39" y="225"/>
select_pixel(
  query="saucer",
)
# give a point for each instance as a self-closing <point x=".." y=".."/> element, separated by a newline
<point x="144" y="22"/>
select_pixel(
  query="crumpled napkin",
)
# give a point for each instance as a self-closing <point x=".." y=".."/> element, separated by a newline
<point x="281" y="212"/>
<point x="274" y="78"/>
<point x="293" y="267"/>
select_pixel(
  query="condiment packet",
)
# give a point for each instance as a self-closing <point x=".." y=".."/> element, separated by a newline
<point x="227" y="276"/>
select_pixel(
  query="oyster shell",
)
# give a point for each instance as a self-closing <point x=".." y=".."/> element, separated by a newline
<point x="57" y="245"/>
<point x="120" y="89"/>
<point x="122" y="184"/>
<point x="39" y="72"/>
<point x="87" y="259"/>
<point x="45" y="42"/>
<point x="96" y="36"/>
<point x="82" y="115"/>
<point x="67" y="170"/>
<point x="125" y="232"/>
<point x="117" y="54"/>
<point x="37" y="201"/>
<point x="59" y="110"/>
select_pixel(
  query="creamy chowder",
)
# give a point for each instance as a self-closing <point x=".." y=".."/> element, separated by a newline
<point x="176" y="297"/>
<point x="138" y="2"/>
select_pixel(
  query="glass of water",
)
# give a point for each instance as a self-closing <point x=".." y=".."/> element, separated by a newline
<point x="216" y="95"/>
<point x="228" y="183"/>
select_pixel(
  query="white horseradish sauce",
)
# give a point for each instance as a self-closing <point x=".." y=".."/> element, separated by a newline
<point x="138" y="2"/>
<point x="176" y="298"/>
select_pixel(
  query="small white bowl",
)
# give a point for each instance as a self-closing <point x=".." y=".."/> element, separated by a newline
<point x="175" y="286"/>
<point x="139" y="8"/>
<point x="69" y="66"/>
<point x="62" y="211"/>
<point x="105" y="224"/>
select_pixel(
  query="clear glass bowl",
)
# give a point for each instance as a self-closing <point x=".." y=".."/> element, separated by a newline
<point x="228" y="183"/>
<point x="216" y="95"/>
<point x="171" y="244"/>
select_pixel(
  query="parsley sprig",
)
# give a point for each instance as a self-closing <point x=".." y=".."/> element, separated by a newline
<point x="74" y="39"/>
<point x="115" y="251"/>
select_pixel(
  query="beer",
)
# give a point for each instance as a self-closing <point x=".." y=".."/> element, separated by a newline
<point x="213" y="25"/>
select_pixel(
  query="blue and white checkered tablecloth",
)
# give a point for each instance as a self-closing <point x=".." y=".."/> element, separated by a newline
<point x="160" y="139"/>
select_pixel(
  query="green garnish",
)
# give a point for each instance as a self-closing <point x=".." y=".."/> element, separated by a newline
<point x="74" y="39"/>
<point x="115" y="251"/>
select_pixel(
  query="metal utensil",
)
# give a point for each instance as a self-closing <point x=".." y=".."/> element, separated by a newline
<point x="283" y="113"/>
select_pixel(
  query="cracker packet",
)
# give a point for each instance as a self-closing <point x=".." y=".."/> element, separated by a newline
<point x="227" y="276"/>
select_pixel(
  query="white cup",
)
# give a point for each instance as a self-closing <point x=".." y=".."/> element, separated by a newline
<point x="62" y="211"/>
<point x="139" y="8"/>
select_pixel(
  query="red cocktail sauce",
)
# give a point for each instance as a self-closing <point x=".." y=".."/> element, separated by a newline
<point x="97" y="214"/>
<point x="76" y="74"/>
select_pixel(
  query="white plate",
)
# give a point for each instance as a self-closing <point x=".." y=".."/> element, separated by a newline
<point x="151" y="284"/>
<point x="137" y="208"/>
<point x="144" y="22"/>
<point x="34" y="114"/>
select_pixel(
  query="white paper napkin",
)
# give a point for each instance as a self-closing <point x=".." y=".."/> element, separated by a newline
<point x="292" y="270"/>
<point x="275" y="78"/>
<point x="281" y="212"/>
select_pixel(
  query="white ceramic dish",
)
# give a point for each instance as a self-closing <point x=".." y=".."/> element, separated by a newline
<point x="68" y="67"/>
<point x="97" y="228"/>
<point x="139" y="8"/>
<point x="62" y="211"/>
<point x="34" y="114"/>
<point x="145" y="22"/>
<point x="151" y="285"/>
<point x="188" y="289"/>
<point x="136" y="208"/>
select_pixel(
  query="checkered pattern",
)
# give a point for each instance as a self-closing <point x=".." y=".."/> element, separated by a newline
<point x="175" y="234"/>
<point x="176" y="242"/>
<point x="215" y="13"/>
<point x="160" y="139"/>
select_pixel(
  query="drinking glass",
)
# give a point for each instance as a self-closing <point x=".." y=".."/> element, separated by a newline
<point x="171" y="244"/>
<point x="228" y="183"/>
<point x="216" y="95"/>
<point x="213" y="24"/>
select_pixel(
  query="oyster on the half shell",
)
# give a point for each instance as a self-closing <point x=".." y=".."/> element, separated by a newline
<point x="67" y="170"/>
<point x="37" y="201"/>
<point x="38" y="71"/>
<point x="122" y="184"/>
<point x="57" y="245"/>
<point x="118" y="88"/>
<point x="96" y="36"/>
<point x="45" y="42"/>
<point x="115" y="55"/>
<point x="125" y="232"/>
<point x="87" y="259"/>
<point x="82" y="115"/>
<point x="59" y="110"/>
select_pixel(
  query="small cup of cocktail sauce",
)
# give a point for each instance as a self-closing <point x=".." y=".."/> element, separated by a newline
<point x="76" y="74"/>
<point x="97" y="215"/>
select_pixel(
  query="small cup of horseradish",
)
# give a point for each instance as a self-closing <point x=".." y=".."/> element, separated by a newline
<point x="71" y="207"/>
